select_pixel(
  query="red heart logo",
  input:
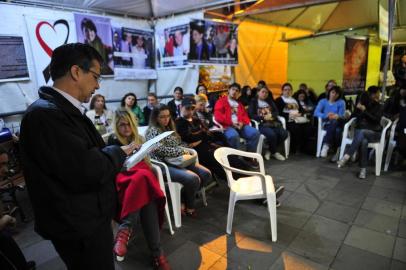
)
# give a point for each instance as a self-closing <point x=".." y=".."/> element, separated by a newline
<point x="43" y="44"/>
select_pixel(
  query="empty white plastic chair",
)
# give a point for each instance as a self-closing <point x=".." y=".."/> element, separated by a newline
<point x="391" y="145"/>
<point x="257" y="185"/>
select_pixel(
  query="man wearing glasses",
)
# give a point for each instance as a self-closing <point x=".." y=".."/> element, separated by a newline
<point x="68" y="169"/>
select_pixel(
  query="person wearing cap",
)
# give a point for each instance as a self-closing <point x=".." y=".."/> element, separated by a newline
<point x="232" y="115"/>
<point x="197" y="136"/>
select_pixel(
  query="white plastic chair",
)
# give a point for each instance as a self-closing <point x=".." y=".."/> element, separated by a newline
<point x="391" y="145"/>
<point x="175" y="191"/>
<point x="377" y="146"/>
<point x="257" y="185"/>
<point x="320" y="136"/>
<point x="348" y="135"/>
<point x="160" y="177"/>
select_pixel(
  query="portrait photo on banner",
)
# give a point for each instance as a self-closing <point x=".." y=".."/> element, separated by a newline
<point x="45" y="34"/>
<point x="96" y="31"/>
<point x="172" y="46"/>
<point x="213" y="42"/>
<point x="355" y="64"/>
<point x="13" y="59"/>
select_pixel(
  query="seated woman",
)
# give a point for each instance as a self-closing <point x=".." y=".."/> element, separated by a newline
<point x="192" y="177"/>
<point x="304" y="101"/>
<point x="367" y="128"/>
<point x="263" y="110"/>
<point x="296" y="123"/>
<point x="246" y="95"/>
<point x="100" y="116"/>
<point x="198" y="137"/>
<point x="202" y="89"/>
<point x="331" y="110"/>
<point x="129" y="101"/>
<point x="140" y="196"/>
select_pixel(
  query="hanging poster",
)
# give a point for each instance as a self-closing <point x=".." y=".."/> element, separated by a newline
<point x="133" y="54"/>
<point x="172" y="46"/>
<point x="355" y="64"/>
<point x="46" y="34"/>
<point x="96" y="31"/>
<point x="213" y="43"/>
<point x="215" y="78"/>
<point x="13" y="60"/>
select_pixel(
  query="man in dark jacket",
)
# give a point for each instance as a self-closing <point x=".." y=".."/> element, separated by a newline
<point x="68" y="169"/>
<point x="175" y="104"/>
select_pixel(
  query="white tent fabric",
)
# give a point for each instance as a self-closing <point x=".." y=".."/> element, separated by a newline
<point x="140" y="8"/>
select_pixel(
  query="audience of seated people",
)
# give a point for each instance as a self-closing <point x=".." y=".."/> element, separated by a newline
<point x="11" y="256"/>
<point x="232" y="115"/>
<point x="395" y="108"/>
<point x="331" y="110"/>
<point x="368" y="128"/>
<point x="175" y="103"/>
<point x="197" y="136"/>
<point x="100" y="116"/>
<point x="263" y="110"/>
<point x="129" y="101"/>
<point x="139" y="194"/>
<point x="152" y="102"/>
<point x="192" y="177"/>
<point x="296" y="122"/>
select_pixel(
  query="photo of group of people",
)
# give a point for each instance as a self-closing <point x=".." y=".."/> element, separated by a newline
<point x="173" y="46"/>
<point x="213" y="43"/>
<point x="133" y="48"/>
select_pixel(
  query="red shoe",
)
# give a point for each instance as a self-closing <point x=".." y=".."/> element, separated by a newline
<point x="161" y="263"/>
<point x="120" y="244"/>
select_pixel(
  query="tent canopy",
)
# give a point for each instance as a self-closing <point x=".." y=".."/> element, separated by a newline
<point x="321" y="15"/>
<point x="138" y="8"/>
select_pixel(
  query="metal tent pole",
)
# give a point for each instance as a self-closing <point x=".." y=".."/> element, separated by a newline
<point x="391" y="13"/>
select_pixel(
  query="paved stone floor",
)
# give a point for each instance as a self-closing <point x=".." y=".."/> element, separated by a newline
<point x="328" y="220"/>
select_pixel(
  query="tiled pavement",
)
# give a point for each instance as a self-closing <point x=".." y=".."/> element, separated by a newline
<point x="328" y="220"/>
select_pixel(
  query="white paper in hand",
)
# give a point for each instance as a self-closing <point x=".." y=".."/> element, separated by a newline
<point x="146" y="147"/>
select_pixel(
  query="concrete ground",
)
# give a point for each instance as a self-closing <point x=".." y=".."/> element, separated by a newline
<point x="328" y="220"/>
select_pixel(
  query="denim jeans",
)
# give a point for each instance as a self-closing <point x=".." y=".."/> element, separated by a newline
<point x="250" y="134"/>
<point x="192" y="178"/>
<point x="274" y="136"/>
<point x="361" y="139"/>
<point x="333" y="133"/>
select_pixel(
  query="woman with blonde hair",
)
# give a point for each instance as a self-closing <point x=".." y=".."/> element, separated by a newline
<point x="139" y="194"/>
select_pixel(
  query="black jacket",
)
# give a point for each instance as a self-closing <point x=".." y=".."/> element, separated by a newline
<point x="370" y="118"/>
<point x="253" y="110"/>
<point x="69" y="172"/>
<point x="175" y="111"/>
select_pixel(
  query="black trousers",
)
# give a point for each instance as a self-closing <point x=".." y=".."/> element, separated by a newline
<point x="94" y="252"/>
<point x="11" y="256"/>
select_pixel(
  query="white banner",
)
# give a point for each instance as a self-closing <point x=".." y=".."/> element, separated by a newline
<point x="46" y="34"/>
<point x="383" y="23"/>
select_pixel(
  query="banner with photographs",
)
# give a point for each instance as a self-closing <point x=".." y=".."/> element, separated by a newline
<point x="46" y="34"/>
<point x="213" y="43"/>
<point x="172" y="46"/>
<point x="13" y="60"/>
<point x="355" y="64"/>
<point x="96" y="31"/>
<point x="133" y="54"/>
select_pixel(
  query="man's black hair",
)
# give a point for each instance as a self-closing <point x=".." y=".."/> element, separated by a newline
<point x="178" y="88"/>
<point x="68" y="55"/>
<point x="237" y="85"/>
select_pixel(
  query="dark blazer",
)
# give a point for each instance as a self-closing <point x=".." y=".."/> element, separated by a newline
<point x="175" y="111"/>
<point x="280" y="104"/>
<point x="370" y="118"/>
<point x="147" y="113"/>
<point x="69" y="172"/>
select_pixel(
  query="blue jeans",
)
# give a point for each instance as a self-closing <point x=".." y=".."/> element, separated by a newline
<point x="274" y="136"/>
<point x="361" y="139"/>
<point x="333" y="133"/>
<point x="192" y="178"/>
<point x="250" y="134"/>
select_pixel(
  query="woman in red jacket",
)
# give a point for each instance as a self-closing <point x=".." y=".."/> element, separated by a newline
<point x="139" y="194"/>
